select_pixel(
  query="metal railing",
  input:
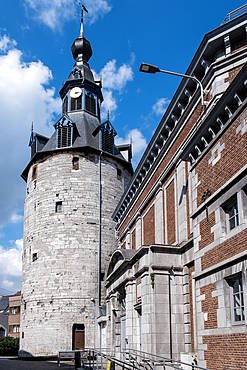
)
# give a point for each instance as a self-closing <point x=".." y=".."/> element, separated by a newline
<point x="95" y="359"/>
<point x="149" y="361"/>
<point x="235" y="13"/>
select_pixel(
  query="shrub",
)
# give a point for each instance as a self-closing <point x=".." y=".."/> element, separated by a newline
<point x="9" y="346"/>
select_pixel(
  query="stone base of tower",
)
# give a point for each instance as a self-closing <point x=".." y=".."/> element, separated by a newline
<point x="55" y="327"/>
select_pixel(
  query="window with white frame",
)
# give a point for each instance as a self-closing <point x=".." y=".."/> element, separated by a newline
<point x="237" y="292"/>
<point x="231" y="213"/>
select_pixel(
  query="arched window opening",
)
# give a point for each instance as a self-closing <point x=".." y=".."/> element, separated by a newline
<point x="76" y="103"/>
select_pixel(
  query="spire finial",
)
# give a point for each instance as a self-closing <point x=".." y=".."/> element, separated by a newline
<point x="32" y="127"/>
<point x="108" y="115"/>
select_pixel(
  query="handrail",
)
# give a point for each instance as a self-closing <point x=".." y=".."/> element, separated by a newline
<point x="235" y="13"/>
<point x="132" y="360"/>
<point x="157" y="359"/>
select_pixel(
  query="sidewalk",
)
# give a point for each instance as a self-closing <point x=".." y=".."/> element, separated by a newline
<point x="12" y="363"/>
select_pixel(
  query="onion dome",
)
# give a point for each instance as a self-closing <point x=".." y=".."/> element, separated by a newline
<point x="81" y="48"/>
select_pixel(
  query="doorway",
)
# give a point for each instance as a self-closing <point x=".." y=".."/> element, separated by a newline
<point x="78" y="337"/>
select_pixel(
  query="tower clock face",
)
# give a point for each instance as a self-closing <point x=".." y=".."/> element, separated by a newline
<point x="75" y="92"/>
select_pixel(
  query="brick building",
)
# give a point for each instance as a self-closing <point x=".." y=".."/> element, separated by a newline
<point x="176" y="286"/>
<point x="14" y="315"/>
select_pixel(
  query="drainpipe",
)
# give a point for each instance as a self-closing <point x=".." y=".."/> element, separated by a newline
<point x="171" y="273"/>
<point x="99" y="267"/>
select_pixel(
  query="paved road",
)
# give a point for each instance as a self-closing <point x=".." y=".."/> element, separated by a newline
<point x="15" y="364"/>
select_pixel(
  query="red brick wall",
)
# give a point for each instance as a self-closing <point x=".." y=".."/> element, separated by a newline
<point x="195" y="115"/>
<point x="205" y="230"/>
<point x="226" y="352"/>
<point x="233" y="158"/>
<point x="148" y="227"/>
<point x="170" y="212"/>
<point x="229" y="248"/>
<point x="232" y="74"/>
<point x="133" y="236"/>
<point x="210" y="305"/>
<point x="187" y="202"/>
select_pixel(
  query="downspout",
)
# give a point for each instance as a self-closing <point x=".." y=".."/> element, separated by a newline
<point x="171" y="272"/>
<point x="99" y="251"/>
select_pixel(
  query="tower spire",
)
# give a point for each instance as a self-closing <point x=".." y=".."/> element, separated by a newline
<point x="81" y="30"/>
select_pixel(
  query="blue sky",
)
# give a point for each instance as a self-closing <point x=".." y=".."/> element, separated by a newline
<point x="35" y="58"/>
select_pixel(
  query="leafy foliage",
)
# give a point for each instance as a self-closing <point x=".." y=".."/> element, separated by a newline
<point x="9" y="346"/>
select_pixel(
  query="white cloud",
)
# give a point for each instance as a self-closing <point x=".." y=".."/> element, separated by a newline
<point x="54" y="12"/>
<point x="10" y="266"/>
<point x="113" y="80"/>
<point x="23" y="100"/>
<point x="139" y="143"/>
<point x="16" y="218"/>
<point x="160" y="106"/>
<point x="6" y="42"/>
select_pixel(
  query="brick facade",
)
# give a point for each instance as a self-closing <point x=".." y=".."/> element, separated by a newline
<point x="194" y="234"/>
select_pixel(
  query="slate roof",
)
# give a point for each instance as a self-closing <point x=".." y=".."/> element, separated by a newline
<point x="4" y="305"/>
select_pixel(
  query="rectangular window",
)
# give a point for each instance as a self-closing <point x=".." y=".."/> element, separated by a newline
<point x="59" y="207"/>
<point x="75" y="163"/>
<point x="34" y="172"/>
<point x="10" y="329"/>
<point x="14" y="310"/>
<point x="231" y="213"/>
<point x="238" y="301"/>
<point x="119" y="174"/>
<point x="35" y="256"/>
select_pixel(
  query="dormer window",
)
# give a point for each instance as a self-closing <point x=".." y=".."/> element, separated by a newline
<point x="64" y="132"/>
<point x="107" y="141"/>
<point x="76" y="73"/>
<point x="90" y="103"/>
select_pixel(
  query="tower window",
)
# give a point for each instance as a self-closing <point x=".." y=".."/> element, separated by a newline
<point x="75" y="163"/>
<point x="59" y="207"/>
<point x="65" y="104"/>
<point x="76" y="103"/>
<point x="34" y="172"/>
<point x="90" y="103"/>
<point x="35" y="256"/>
<point x="119" y="174"/>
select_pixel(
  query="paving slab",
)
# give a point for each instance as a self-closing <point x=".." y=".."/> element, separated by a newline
<point x="16" y="364"/>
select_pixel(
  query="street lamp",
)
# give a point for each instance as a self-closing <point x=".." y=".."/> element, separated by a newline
<point x="148" y="68"/>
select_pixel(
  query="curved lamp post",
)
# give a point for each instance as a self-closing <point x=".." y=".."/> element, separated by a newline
<point x="148" y="68"/>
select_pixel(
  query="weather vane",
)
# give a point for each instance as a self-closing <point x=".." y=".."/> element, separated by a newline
<point x="83" y="8"/>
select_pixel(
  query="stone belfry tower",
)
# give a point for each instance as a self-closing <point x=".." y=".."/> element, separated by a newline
<point x="74" y="179"/>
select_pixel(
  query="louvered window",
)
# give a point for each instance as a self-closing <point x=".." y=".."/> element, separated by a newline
<point x="76" y="103"/>
<point x="107" y="141"/>
<point x="64" y="136"/>
<point x="90" y="103"/>
<point x="65" y="105"/>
